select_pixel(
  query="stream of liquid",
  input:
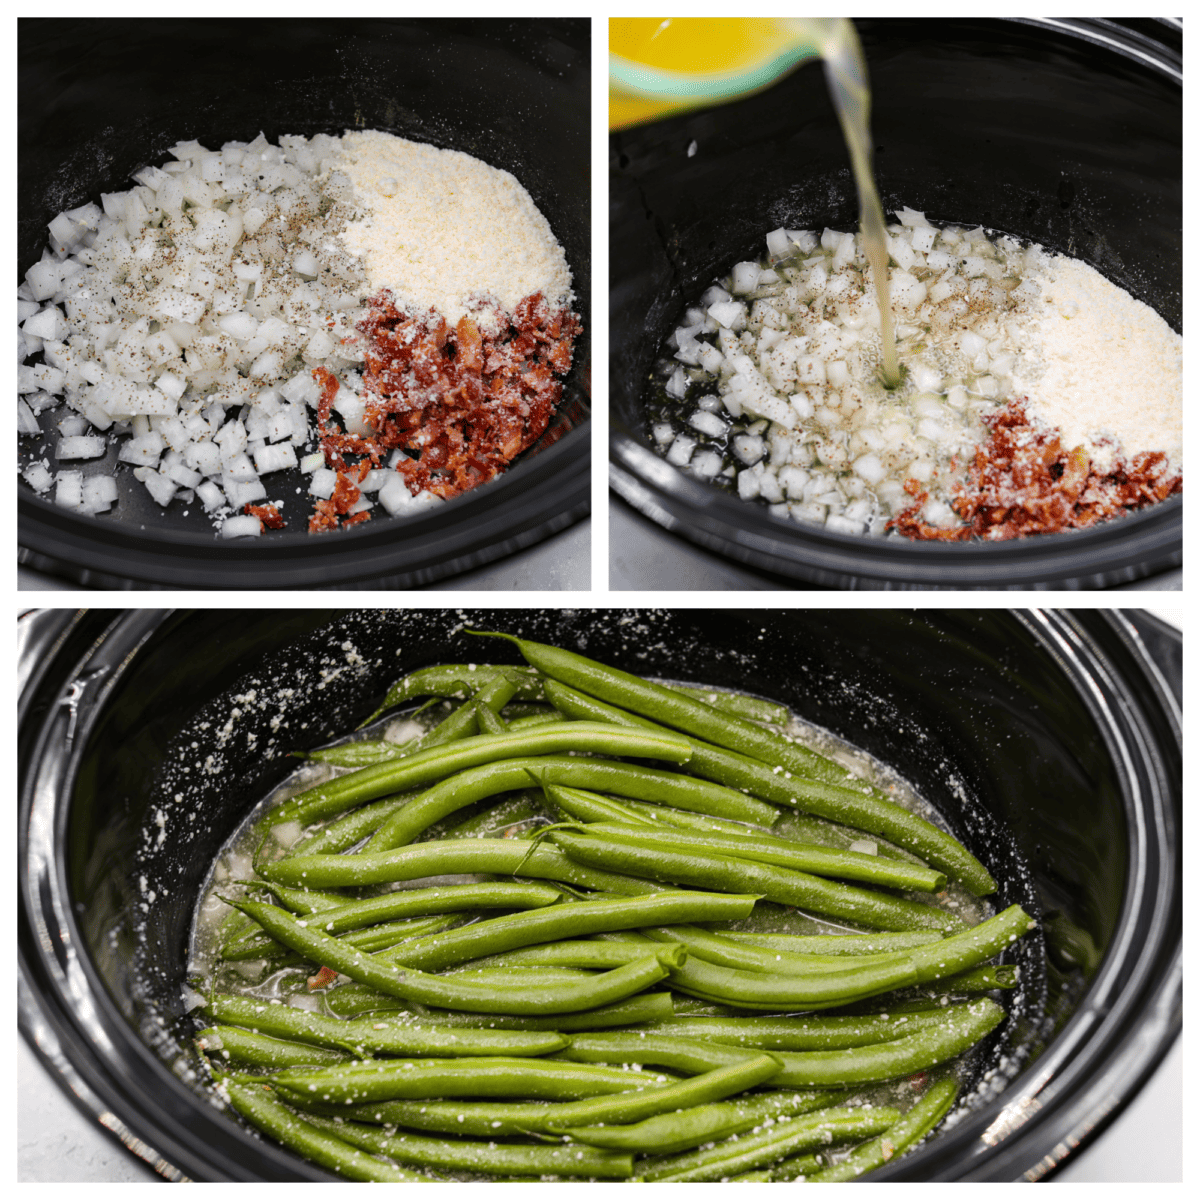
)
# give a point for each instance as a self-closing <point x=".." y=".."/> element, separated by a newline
<point x="756" y="51"/>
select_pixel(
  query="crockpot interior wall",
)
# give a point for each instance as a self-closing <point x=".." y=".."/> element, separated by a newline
<point x="1006" y="125"/>
<point x="970" y="708"/>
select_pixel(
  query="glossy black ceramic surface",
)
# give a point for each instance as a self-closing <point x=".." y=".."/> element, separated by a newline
<point x="1065" y="133"/>
<point x="101" y="98"/>
<point x="1050" y="743"/>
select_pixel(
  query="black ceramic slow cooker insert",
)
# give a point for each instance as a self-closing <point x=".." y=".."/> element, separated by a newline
<point x="1049" y="741"/>
<point x="1065" y="133"/>
<point x="101" y="98"/>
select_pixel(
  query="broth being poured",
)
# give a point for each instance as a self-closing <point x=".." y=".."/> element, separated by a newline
<point x="983" y="389"/>
<point x="664" y="64"/>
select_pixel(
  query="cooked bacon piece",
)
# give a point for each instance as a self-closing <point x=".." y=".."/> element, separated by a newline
<point x="469" y="346"/>
<point x="323" y="978"/>
<point x="462" y="402"/>
<point x="268" y="515"/>
<point x="345" y="496"/>
<point x="1022" y="481"/>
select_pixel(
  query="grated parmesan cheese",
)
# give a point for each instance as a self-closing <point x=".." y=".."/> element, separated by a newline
<point x="1105" y="368"/>
<point x="442" y="229"/>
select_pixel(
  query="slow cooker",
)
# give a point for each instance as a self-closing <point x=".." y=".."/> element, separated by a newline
<point x="1049" y="741"/>
<point x="1065" y="133"/>
<point x="101" y="98"/>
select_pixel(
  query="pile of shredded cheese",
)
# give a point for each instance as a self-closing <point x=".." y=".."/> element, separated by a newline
<point x="1102" y="367"/>
<point x="441" y="229"/>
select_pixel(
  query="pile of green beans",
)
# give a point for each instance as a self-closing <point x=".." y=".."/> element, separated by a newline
<point x="593" y="1007"/>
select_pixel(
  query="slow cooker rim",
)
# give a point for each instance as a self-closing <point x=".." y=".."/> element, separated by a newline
<point x="719" y="523"/>
<point x="138" y="627"/>
<point x="129" y="1083"/>
<point x="114" y="557"/>
<point x="1109" y="1000"/>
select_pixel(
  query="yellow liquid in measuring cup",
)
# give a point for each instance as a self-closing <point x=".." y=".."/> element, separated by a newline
<point x="717" y="58"/>
<point x="695" y="44"/>
<point x="721" y="58"/>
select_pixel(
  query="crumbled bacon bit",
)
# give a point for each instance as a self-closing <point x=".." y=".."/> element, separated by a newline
<point x="462" y="400"/>
<point x="345" y="496"/>
<point x="268" y="515"/>
<point x="323" y="978"/>
<point x="1023" y="481"/>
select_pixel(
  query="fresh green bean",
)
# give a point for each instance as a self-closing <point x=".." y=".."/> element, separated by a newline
<point x="650" y="856"/>
<point x="466" y="787"/>
<point x="659" y="814"/>
<point x="468" y="856"/>
<point x="301" y="1135"/>
<point x="669" y="707"/>
<point x="836" y="944"/>
<point x="371" y="940"/>
<point x="921" y="1119"/>
<point x="533" y="720"/>
<point x="255" y="1050"/>
<point x="433" y="1078"/>
<point x="962" y="1027"/>
<point x="487" y="720"/>
<point x="815" y="860"/>
<point x="424" y="767"/>
<point x="799" y="1167"/>
<point x="959" y="1028"/>
<point x="566" y="921"/>
<point x="760" y="992"/>
<point x="462" y="723"/>
<point x="302" y="900"/>
<point x="963" y="951"/>
<point x="471" y="1118"/>
<point x="977" y="981"/>
<point x="445" y="992"/>
<point x="802" y="1033"/>
<point x="831" y="798"/>
<point x="366" y="753"/>
<point x="464" y="1118"/>
<point x="353" y="999"/>
<point x="725" y="952"/>
<point x="342" y="834"/>
<point x="717" y="1084"/>
<point x="735" y="1156"/>
<point x="513" y="811"/>
<point x="251" y="942"/>
<point x="456" y="683"/>
<point x="502" y="977"/>
<point x="686" y="1055"/>
<point x="588" y="806"/>
<point x="738" y="703"/>
<point x="417" y="902"/>
<point x="672" y="1132"/>
<point x="921" y="964"/>
<point x="482" y="1158"/>
<point x="362" y="1038"/>
<point x="756" y="990"/>
<point x="582" y="953"/>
